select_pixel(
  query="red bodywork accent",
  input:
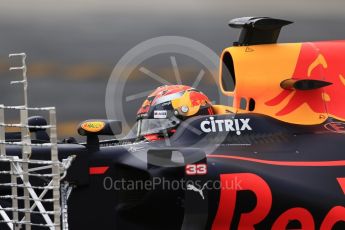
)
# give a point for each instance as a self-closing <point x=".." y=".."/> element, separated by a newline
<point x="341" y="182"/>
<point x="302" y="215"/>
<point x="311" y="97"/>
<point x="317" y="61"/>
<point x="99" y="170"/>
<point x="284" y="163"/>
<point x="334" y="216"/>
<point x="228" y="197"/>
<point x="258" y="186"/>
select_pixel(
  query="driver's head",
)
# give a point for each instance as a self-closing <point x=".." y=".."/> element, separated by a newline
<point x="165" y="108"/>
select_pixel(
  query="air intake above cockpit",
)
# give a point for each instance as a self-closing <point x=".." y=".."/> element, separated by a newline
<point x="258" y="30"/>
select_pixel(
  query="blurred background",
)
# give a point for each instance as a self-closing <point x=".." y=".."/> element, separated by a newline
<point x="73" y="45"/>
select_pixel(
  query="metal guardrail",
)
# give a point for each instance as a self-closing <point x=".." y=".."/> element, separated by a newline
<point x="26" y="199"/>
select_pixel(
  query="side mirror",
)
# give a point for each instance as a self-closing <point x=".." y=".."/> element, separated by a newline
<point x="100" y="127"/>
<point x="94" y="128"/>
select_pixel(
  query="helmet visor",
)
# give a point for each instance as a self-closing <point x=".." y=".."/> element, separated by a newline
<point x="153" y="126"/>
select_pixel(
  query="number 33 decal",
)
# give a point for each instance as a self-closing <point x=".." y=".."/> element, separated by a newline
<point x="196" y="169"/>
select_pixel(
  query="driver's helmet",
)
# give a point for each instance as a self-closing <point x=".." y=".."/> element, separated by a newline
<point x="168" y="106"/>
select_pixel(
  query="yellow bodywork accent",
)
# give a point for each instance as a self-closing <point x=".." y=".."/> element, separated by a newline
<point x="259" y="70"/>
<point x="223" y="109"/>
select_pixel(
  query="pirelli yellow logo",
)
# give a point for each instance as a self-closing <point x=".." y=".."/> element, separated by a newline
<point x="93" y="126"/>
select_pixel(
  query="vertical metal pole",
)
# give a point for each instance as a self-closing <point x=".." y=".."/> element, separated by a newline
<point x="26" y="152"/>
<point x="64" y="206"/>
<point x="2" y="132"/>
<point x="26" y="139"/>
<point x="14" y="196"/>
<point x="25" y="136"/>
<point x="25" y="82"/>
<point x="55" y="169"/>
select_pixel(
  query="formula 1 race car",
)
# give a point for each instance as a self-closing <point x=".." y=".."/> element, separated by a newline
<point x="273" y="159"/>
